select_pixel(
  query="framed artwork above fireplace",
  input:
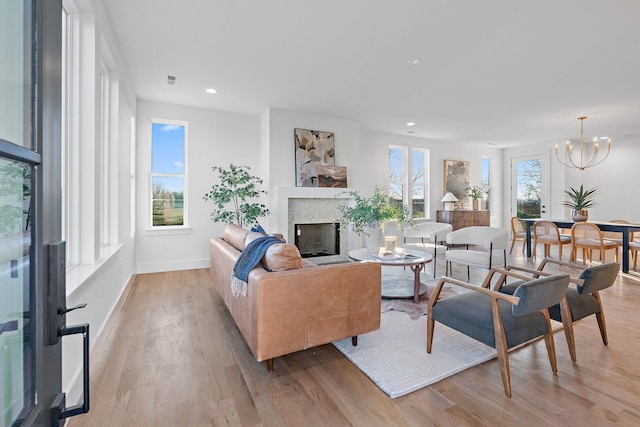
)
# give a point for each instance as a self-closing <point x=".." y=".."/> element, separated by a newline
<point x="312" y="148"/>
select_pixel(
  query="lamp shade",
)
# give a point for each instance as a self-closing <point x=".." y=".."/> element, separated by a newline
<point x="449" y="197"/>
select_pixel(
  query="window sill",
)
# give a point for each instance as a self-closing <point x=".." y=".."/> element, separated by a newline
<point x="167" y="231"/>
<point x="78" y="274"/>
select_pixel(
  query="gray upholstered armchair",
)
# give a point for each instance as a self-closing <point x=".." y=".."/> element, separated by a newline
<point x="583" y="297"/>
<point x="499" y="320"/>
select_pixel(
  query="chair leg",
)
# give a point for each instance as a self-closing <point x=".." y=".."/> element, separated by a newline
<point x="560" y="251"/>
<point x="513" y="242"/>
<point x="567" y="322"/>
<point x="601" y="323"/>
<point x="430" y="326"/>
<point x="524" y="243"/>
<point x="548" y="340"/>
<point x="501" y="347"/>
<point x="468" y="273"/>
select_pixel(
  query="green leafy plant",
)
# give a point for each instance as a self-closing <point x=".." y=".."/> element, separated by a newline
<point x="477" y="191"/>
<point x="373" y="210"/>
<point x="231" y="196"/>
<point x="580" y="199"/>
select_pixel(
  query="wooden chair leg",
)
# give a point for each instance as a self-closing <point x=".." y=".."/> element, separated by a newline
<point x="524" y="243"/>
<point x="560" y="251"/>
<point x="513" y="242"/>
<point x="501" y="347"/>
<point x="567" y="322"/>
<point x="601" y="323"/>
<point x="430" y="326"/>
<point x="548" y="340"/>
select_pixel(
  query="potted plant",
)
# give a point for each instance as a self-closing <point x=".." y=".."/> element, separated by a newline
<point x="368" y="215"/>
<point x="579" y="201"/>
<point x="476" y="192"/>
<point x="231" y="196"/>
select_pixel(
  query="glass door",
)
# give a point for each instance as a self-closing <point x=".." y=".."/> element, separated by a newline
<point x="529" y="187"/>
<point x="30" y="323"/>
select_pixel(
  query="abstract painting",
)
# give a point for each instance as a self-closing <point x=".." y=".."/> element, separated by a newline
<point x="456" y="180"/>
<point x="332" y="176"/>
<point x="313" y="148"/>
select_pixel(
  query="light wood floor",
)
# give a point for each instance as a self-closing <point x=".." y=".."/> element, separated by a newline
<point x="171" y="355"/>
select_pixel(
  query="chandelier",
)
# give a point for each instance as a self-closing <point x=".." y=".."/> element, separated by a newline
<point x="582" y="163"/>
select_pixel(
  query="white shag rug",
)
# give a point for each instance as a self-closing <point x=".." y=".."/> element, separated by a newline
<point x="395" y="356"/>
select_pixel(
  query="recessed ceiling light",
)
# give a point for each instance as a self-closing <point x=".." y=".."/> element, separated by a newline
<point x="211" y="90"/>
<point x="411" y="124"/>
<point x="413" y="61"/>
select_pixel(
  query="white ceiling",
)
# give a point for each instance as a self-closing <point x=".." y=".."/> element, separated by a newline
<point x="501" y="72"/>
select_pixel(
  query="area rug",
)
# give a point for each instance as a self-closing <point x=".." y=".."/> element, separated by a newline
<point x="414" y="310"/>
<point x="395" y="356"/>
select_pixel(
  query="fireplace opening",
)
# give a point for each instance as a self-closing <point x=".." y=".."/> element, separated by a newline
<point x="314" y="240"/>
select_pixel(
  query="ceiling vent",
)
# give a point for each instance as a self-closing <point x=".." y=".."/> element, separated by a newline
<point x="172" y="80"/>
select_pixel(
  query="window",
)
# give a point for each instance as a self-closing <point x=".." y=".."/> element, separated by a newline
<point x="419" y="162"/>
<point x="408" y="179"/>
<point x="397" y="174"/>
<point x="486" y="181"/>
<point x="89" y="142"/>
<point x="168" y="176"/>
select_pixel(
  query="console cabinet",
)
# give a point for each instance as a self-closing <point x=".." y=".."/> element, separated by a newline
<point x="461" y="219"/>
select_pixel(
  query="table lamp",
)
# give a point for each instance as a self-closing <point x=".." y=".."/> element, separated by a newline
<point x="449" y="199"/>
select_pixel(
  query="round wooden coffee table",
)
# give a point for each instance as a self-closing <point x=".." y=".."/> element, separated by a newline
<point x="399" y="287"/>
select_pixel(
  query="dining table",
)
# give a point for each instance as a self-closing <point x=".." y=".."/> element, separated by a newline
<point x="624" y="229"/>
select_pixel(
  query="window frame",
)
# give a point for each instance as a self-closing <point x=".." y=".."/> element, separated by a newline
<point x="185" y="211"/>
<point x="407" y="171"/>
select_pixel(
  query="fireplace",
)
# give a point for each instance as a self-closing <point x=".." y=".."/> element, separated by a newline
<point x="317" y="240"/>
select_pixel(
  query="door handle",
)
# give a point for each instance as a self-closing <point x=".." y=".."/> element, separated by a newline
<point x="74" y="307"/>
<point x="11" y="325"/>
<point x="58" y="409"/>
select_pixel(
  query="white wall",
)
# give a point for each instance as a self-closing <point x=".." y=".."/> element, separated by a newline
<point x="102" y="289"/>
<point x="215" y="138"/>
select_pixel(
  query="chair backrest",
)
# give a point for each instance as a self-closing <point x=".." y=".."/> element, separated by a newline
<point x="615" y="234"/>
<point x="427" y="230"/>
<point x="517" y="226"/>
<point x="598" y="277"/>
<point x="546" y="228"/>
<point x="585" y="230"/>
<point x="479" y="235"/>
<point x="540" y="294"/>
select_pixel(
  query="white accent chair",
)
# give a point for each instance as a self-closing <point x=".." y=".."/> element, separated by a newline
<point x="427" y="237"/>
<point x="490" y="243"/>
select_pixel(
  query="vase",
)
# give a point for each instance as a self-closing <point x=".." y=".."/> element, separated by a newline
<point x="475" y="204"/>
<point x="373" y="238"/>
<point x="579" y="215"/>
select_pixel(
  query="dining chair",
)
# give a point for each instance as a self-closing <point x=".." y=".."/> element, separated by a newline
<point x="428" y="237"/>
<point x="517" y="233"/>
<point x="583" y="295"/>
<point x="587" y="236"/>
<point x="614" y="236"/>
<point x="497" y="319"/>
<point x="547" y="233"/>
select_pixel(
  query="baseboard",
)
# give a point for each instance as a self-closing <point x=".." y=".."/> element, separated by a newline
<point x="159" y="267"/>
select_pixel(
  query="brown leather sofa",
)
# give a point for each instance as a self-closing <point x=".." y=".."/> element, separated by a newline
<point x="297" y="305"/>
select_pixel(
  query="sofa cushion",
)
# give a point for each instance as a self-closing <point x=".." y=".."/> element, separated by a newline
<point x="235" y="236"/>
<point x="282" y="256"/>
